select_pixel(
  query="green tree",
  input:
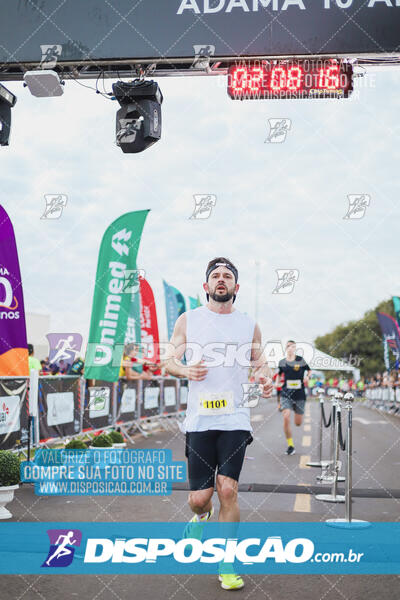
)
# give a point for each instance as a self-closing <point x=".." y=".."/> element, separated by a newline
<point x="359" y="342"/>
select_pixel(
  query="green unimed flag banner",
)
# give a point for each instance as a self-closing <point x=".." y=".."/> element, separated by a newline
<point x="116" y="283"/>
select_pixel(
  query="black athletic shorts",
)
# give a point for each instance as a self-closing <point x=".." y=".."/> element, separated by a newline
<point x="208" y="450"/>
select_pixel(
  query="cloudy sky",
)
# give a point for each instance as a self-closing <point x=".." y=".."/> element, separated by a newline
<point x="280" y="204"/>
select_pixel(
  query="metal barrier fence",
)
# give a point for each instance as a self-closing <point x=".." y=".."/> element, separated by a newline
<point x="386" y="399"/>
<point x="14" y="412"/>
<point x="65" y="406"/>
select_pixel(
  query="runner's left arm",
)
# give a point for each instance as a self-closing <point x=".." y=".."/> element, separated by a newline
<point x="262" y="372"/>
<point x="306" y="374"/>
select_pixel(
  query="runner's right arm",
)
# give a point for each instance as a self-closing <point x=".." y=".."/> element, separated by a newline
<point x="174" y="352"/>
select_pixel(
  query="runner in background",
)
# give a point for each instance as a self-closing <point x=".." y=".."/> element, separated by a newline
<point x="293" y="397"/>
<point x="360" y="387"/>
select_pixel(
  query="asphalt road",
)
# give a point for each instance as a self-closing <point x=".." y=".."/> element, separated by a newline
<point x="376" y="467"/>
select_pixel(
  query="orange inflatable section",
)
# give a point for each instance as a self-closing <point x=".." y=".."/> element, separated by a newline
<point x="14" y="362"/>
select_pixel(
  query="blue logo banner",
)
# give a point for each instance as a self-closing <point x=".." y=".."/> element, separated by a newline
<point x="188" y="548"/>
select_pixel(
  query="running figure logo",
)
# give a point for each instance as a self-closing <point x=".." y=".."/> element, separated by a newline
<point x="202" y="55"/>
<point x="54" y="206"/>
<point x="50" y="54"/>
<point x="203" y="205"/>
<point x="286" y="281"/>
<point x="62" y="542"/>
<point x="278" y="129"/>
<point x="357" y="206"/>
<point x="131" y="280"/>
<point x="252" y="392"/>
<point x="64" y="346"/>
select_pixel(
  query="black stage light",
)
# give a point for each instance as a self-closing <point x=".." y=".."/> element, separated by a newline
<point x="138" y="123"/>
<point x="7" y="101"/>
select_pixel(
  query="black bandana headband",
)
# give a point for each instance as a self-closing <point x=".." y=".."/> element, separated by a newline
<point x="230" y="267"/>
<point x="221" y="264"/>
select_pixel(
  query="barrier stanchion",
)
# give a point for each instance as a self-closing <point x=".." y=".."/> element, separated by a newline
<point x="321" y="394"/>
<point x="183" y="394"/>
<point x="29" y="436"/>
<point x="348" y="521"/>
<point x="328" y="466"/>
<point x="333" y="496"/>
<point x="33" y="408"/>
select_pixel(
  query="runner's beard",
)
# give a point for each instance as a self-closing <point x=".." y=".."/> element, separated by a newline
<point x="222" y="298"/>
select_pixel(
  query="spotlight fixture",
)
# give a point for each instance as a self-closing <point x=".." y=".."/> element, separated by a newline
<point x="7" y="101"/>
<point x="138" y="123"/>
<point x="43" y="84"/>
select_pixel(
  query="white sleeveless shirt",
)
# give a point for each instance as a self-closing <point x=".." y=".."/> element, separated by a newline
<point x="223" y="342"/>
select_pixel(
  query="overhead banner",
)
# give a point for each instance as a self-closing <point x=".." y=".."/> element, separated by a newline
<point x="148" y="323"/>
<point x="13" y="342"/>
<point x="391" y="339"/>
<point x="171" y="306"/>
<point x="121" y="30"/>
<point x="114" y="287"/>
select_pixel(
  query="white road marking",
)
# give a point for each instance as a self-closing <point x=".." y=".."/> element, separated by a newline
<point x="257" y="418"/>
<point x="304" y="459"/>
<point x="366" y="422"/>
<point x="302" y="502"/>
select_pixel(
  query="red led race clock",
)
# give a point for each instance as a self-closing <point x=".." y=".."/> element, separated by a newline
<point x="279" y="79"/>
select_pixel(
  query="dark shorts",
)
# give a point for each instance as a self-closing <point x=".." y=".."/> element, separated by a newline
<point x="208" y="450"/>
<point x="296" y="405"/>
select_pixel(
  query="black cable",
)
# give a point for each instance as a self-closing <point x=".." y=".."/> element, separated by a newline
<point x="341" y="441"/>
<point x="90" y="87"/>
<point x="325" y="422"/>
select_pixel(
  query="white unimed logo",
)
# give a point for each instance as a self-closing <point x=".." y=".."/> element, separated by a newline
<point x="190" y="550"/>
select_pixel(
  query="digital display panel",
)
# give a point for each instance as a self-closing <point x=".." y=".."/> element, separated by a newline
<point x="280" y="79"/>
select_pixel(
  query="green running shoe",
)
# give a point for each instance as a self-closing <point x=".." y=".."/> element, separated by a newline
<point x="231" y="582"/>
<point x="194" y="529"/>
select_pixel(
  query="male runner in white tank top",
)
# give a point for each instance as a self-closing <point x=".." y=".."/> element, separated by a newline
<point x="217" y="423"/>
